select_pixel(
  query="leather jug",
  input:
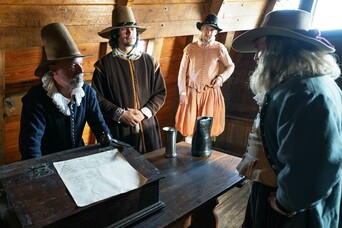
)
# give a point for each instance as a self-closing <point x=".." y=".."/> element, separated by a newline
<point x="201" y="141"/>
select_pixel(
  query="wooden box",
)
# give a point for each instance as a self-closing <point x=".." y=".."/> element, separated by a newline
<point x="37" y="196"/>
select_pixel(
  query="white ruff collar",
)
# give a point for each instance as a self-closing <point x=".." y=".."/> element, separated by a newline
<point x="61" y="102"/>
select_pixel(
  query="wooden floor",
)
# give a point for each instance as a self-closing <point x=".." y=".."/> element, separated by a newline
<point x="232" y="206"/>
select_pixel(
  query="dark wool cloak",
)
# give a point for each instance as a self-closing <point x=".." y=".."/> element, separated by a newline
<point x="125" y="83"/>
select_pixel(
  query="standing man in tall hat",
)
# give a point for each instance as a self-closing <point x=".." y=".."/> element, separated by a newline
<point x="129" y="84"/>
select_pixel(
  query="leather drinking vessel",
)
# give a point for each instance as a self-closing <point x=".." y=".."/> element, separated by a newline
<point x="201" y="141"/>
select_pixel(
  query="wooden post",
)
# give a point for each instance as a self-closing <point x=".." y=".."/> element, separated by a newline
<point x="2" y="107"/>
<point x="154" y="47"/>
<point x="226" y="38"/>
<point x="192" y="38"/>
<point x="103" y="49"/>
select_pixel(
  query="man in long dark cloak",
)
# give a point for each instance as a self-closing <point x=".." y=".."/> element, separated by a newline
<point x="129" y="84"/>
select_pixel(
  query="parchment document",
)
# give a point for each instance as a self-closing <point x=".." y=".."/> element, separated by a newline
<point x="96" y="177"/>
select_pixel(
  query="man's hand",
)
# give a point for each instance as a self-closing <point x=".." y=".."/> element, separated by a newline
<point x="130" y="117"/>
<point x="217" y="82"/>
<point x="272" y="201"/>
<point x="137" y="113"/>
<point x="183" y="99"/>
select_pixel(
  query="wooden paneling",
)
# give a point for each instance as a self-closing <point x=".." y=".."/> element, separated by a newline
<point x="226" y="38"/>
<point x="235" y="136"/>
<point x="170" y="58"/>
<point x="55" y="2"/>
<point x="22" y="62"/>
<point x="169" y="12"/>
<point x="159" y="2"/>
<point x="40" y="15"/>
<point x="12" y="106"/>
<point x="237" y="94"/>
<point x="85" y="20"/>
<point x="241" y="108"/>
<point x="2" y="97"/>
<point x="154" y="47"/>
<point x="240" y="15"/>
<point x="12" y="153"/>
<point x="30" y="37"/>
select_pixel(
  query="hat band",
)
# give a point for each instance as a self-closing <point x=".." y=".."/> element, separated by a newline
<point x="210" y="22"/>
<point x="125" y="24"/>
<point x="316" y="34"/>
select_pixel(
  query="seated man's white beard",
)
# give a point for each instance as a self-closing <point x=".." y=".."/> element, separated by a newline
<point x="77" y="81"/>
<point x="58" y="99"/>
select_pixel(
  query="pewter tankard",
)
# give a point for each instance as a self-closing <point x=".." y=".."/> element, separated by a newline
<point x="170" y="141"/>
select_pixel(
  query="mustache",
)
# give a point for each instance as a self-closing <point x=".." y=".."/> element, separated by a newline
<point x="78" y="76"/>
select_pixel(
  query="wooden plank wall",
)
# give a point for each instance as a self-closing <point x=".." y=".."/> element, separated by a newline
<point x="240" y="107"/>
<point x="2" y="97"/>
<point x="172" y="25"/>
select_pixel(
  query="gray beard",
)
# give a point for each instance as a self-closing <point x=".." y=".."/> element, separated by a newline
<point x="58" y="99"/>
<point x="77" y="81"/>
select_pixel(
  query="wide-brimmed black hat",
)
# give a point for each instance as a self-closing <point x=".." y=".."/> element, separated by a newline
<point x="211" y="20"/>
<point x="294" y="24"/>
<point x="58" y="45"/>
<point x="122" y="17"/>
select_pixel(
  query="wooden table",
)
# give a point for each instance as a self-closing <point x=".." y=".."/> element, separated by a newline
<point x="191" y="186"/>
<point x="188" y="187"/>
<point x="37" y="196"/>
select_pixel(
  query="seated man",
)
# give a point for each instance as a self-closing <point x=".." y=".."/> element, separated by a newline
<point x="56" y="110"/>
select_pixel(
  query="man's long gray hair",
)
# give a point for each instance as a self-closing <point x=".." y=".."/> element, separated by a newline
<point x="285" y="58"/>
